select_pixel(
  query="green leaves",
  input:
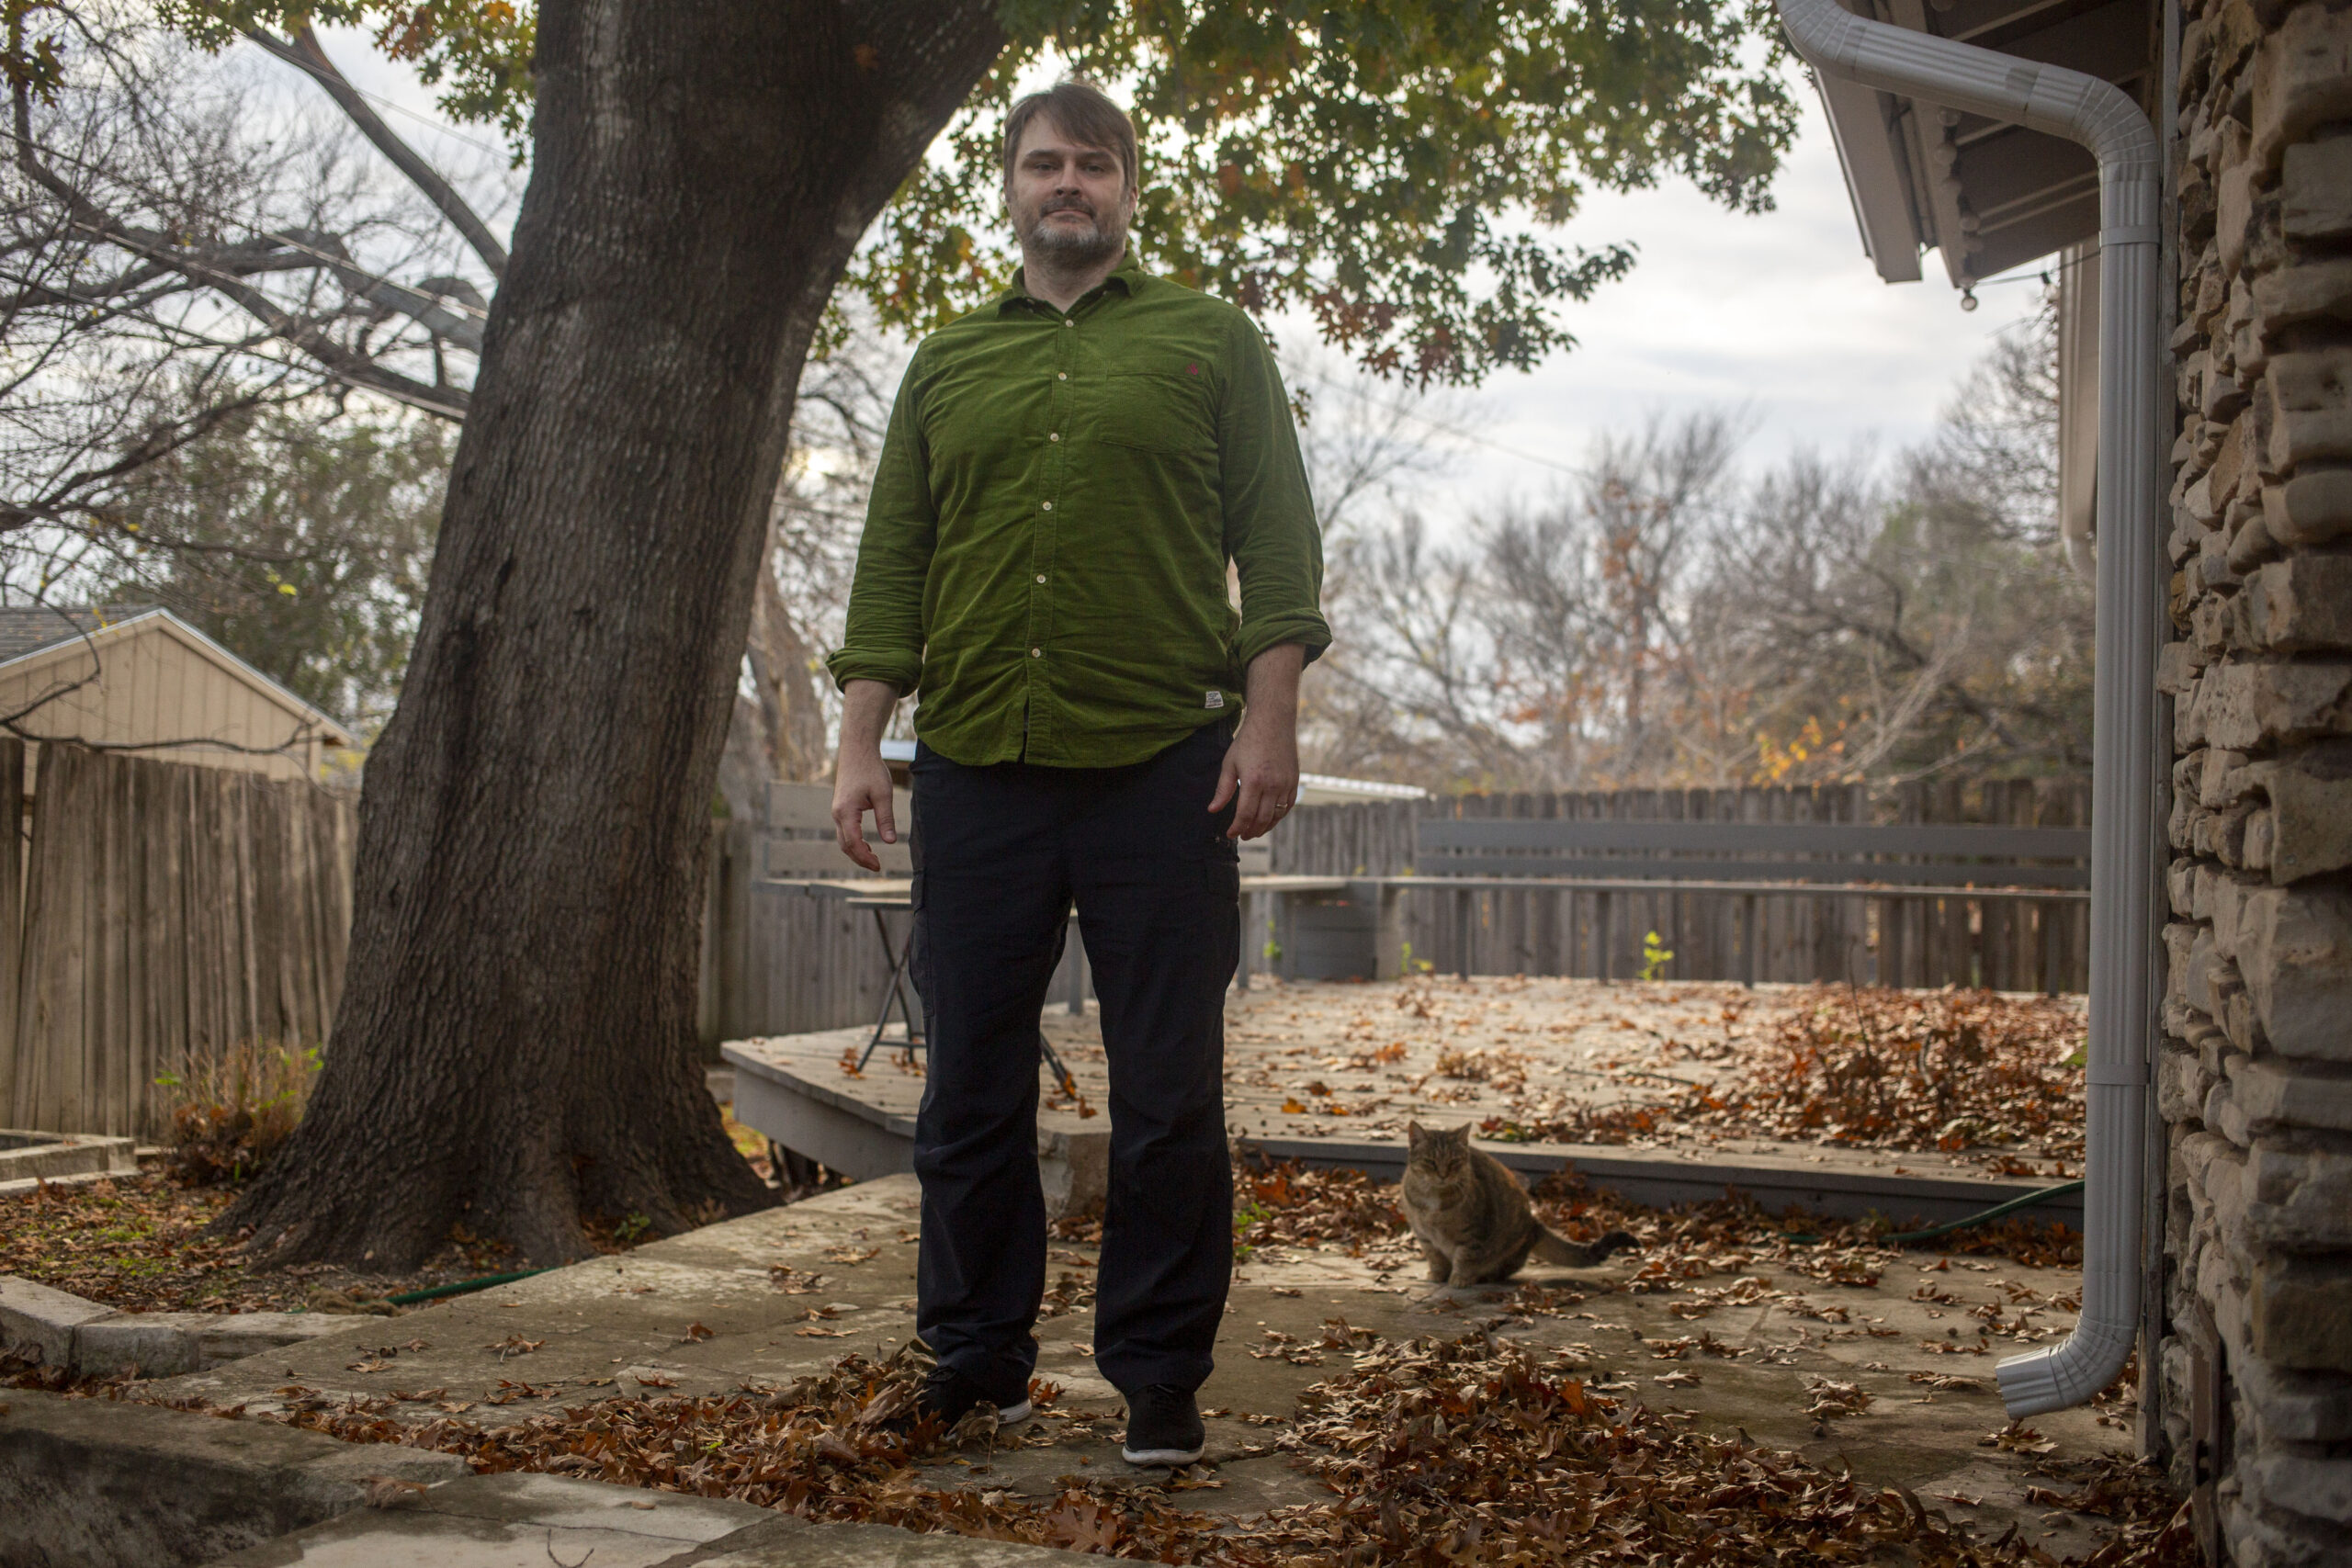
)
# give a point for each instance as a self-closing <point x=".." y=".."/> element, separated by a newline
<point x="1396" y="169"/>
<point x="29" y="58"/>
<point x="1389" y="168"/>
<point x="477" y="52"/>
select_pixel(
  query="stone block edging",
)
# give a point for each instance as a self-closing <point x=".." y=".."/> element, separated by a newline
<point x="59" y="1329"/>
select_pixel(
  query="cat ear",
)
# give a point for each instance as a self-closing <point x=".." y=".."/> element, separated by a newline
<point x="1414" y="1134"/>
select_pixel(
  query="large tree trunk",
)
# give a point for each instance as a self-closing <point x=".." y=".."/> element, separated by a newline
<point x="515" y="1044"/>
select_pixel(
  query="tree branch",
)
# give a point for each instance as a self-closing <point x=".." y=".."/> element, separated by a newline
<point x="302" y="332"/>
<point x="304" y="53"/>
<point x="222" y="272"/>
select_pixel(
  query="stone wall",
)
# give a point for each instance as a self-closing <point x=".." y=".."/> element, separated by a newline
<point x="2255" y="1072"/>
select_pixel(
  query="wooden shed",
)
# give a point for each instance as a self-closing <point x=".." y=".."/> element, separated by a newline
<point x="138" y="678"/>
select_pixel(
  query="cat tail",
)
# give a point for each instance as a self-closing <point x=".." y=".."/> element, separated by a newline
<point x="1559" y="1250"/>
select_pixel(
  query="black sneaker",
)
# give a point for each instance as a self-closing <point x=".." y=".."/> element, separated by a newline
<point x="951" y="1397"/>
<point x="1163" y="1426"/>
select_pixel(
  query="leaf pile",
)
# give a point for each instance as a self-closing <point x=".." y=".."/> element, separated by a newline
<point x="135" y="1243"/>
<point x="2152" y="1524"/>
<point x="822" y="1448"/>
<point x="840" y="1447"/>
<point x="1445" y="1453"/>
<point x="1731" y="1234"/>
<point x="1438" y="1454"/>
<point x="1875" y="1067"/>
<point x="1949" y="1069"/>
<point x="143" y="1244"/>
<point x="1290" y="1205"/>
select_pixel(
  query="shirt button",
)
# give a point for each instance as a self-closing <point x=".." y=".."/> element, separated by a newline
<point x="1061" y="375"/>
<point x="1040" y="577"/>
<point x="1049" y="506"/>
<point x="1036" y="653"/>
<point x="1068" y="322"/>
<point x="1057" y="436"/>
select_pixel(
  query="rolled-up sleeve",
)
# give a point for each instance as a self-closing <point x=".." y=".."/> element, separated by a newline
<point x="1269" y="527"/>
<point x="884" y="637"/>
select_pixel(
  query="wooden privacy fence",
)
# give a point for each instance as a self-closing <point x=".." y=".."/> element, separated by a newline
<point x="158" y="911"/>
<point x="2008" y="945"/>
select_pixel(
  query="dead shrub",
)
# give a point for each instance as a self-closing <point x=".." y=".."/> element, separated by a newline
<point x="232" y="1110"/>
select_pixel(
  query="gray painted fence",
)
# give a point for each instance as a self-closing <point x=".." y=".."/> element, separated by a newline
<point x="2028" y="945"/>
<point x="779" y="962"/>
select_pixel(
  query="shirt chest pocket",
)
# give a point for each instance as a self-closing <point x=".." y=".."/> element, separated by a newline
<point x="1149" y="410"/>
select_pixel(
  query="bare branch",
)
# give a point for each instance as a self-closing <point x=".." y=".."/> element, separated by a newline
<point x="304" y="53"/>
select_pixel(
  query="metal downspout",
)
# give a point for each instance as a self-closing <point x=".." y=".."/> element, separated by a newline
<point x="2099" y="115"/>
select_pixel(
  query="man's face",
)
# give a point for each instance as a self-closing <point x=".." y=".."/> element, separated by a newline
<point x="1069" y="202"/>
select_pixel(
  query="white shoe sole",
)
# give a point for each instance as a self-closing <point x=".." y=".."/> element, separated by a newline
<point x="1163" y="1456"/>
<point x="1012" y="1415"/>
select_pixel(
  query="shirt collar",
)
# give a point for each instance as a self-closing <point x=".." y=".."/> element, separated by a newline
<point x="1128" y="278"/>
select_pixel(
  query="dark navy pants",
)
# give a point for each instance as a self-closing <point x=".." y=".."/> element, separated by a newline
<point x="1002" y="851"/>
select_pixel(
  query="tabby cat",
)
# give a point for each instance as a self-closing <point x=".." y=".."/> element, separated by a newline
<point x="1470" y="1212"/>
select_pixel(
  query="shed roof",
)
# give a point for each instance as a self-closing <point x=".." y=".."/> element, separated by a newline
<point x="28" y="628"/>
<point x="32" y="633"/>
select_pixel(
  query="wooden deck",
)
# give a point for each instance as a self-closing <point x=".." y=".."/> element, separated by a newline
<point x="1330" y="1073"/>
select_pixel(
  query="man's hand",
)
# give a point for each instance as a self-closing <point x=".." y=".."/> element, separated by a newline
<point x="1261" y="773"/>
<point x="861" y="779"/>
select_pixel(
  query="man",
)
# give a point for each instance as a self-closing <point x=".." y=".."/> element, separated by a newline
<point x="1067" y="474"/>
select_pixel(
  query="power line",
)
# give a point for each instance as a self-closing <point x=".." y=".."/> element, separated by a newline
<point x="1454" y="430"/>
<point x="430" y="123"/>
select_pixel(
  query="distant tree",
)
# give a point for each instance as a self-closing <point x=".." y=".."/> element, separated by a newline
<point x="300" y="540"/>
<point x="785" y="705"/>
<point x="213" y="304"/>
<point x="1663" y="622"/>
<point x="1925" y="622"/>
<point x="1553" y="649"/>
<point x="1371" y="448"/>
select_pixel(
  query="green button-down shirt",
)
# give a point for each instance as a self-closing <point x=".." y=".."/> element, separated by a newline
<point x="1044" y="551"/>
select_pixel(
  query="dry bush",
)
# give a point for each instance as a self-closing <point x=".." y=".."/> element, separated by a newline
<point x="232" y="1110"/>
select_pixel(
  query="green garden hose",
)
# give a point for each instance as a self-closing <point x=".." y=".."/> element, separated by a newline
<point x="462" y="1287"/>
<point x="1905" y="1239"/>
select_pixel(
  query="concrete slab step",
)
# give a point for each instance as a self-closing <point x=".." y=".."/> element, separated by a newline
<point x="763" y="1301"/>
<point x="523" y="1521"/>
<point x="94" y="1482"/>
<point x="57" y="1329"/>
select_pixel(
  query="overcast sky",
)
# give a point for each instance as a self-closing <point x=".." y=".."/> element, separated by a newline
<point x="1780" y="316"/>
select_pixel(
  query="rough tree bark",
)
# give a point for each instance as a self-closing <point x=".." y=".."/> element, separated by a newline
<point x="515" y="1048"/>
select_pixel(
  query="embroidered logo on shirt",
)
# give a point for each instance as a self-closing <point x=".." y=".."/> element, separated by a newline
<point x="1192" y="369"/>
<point x="1217" y="700"/>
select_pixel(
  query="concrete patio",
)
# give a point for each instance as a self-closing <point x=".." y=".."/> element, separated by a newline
<point x="761" y="1300"/>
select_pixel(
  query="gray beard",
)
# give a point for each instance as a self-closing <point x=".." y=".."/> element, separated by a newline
<point x="1070" y="248"/>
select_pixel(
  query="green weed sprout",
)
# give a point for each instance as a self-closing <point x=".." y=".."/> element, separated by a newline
<point x="1655" y="957"/>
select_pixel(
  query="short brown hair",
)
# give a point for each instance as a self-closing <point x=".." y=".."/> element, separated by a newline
<point x="1085" y="113"/>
